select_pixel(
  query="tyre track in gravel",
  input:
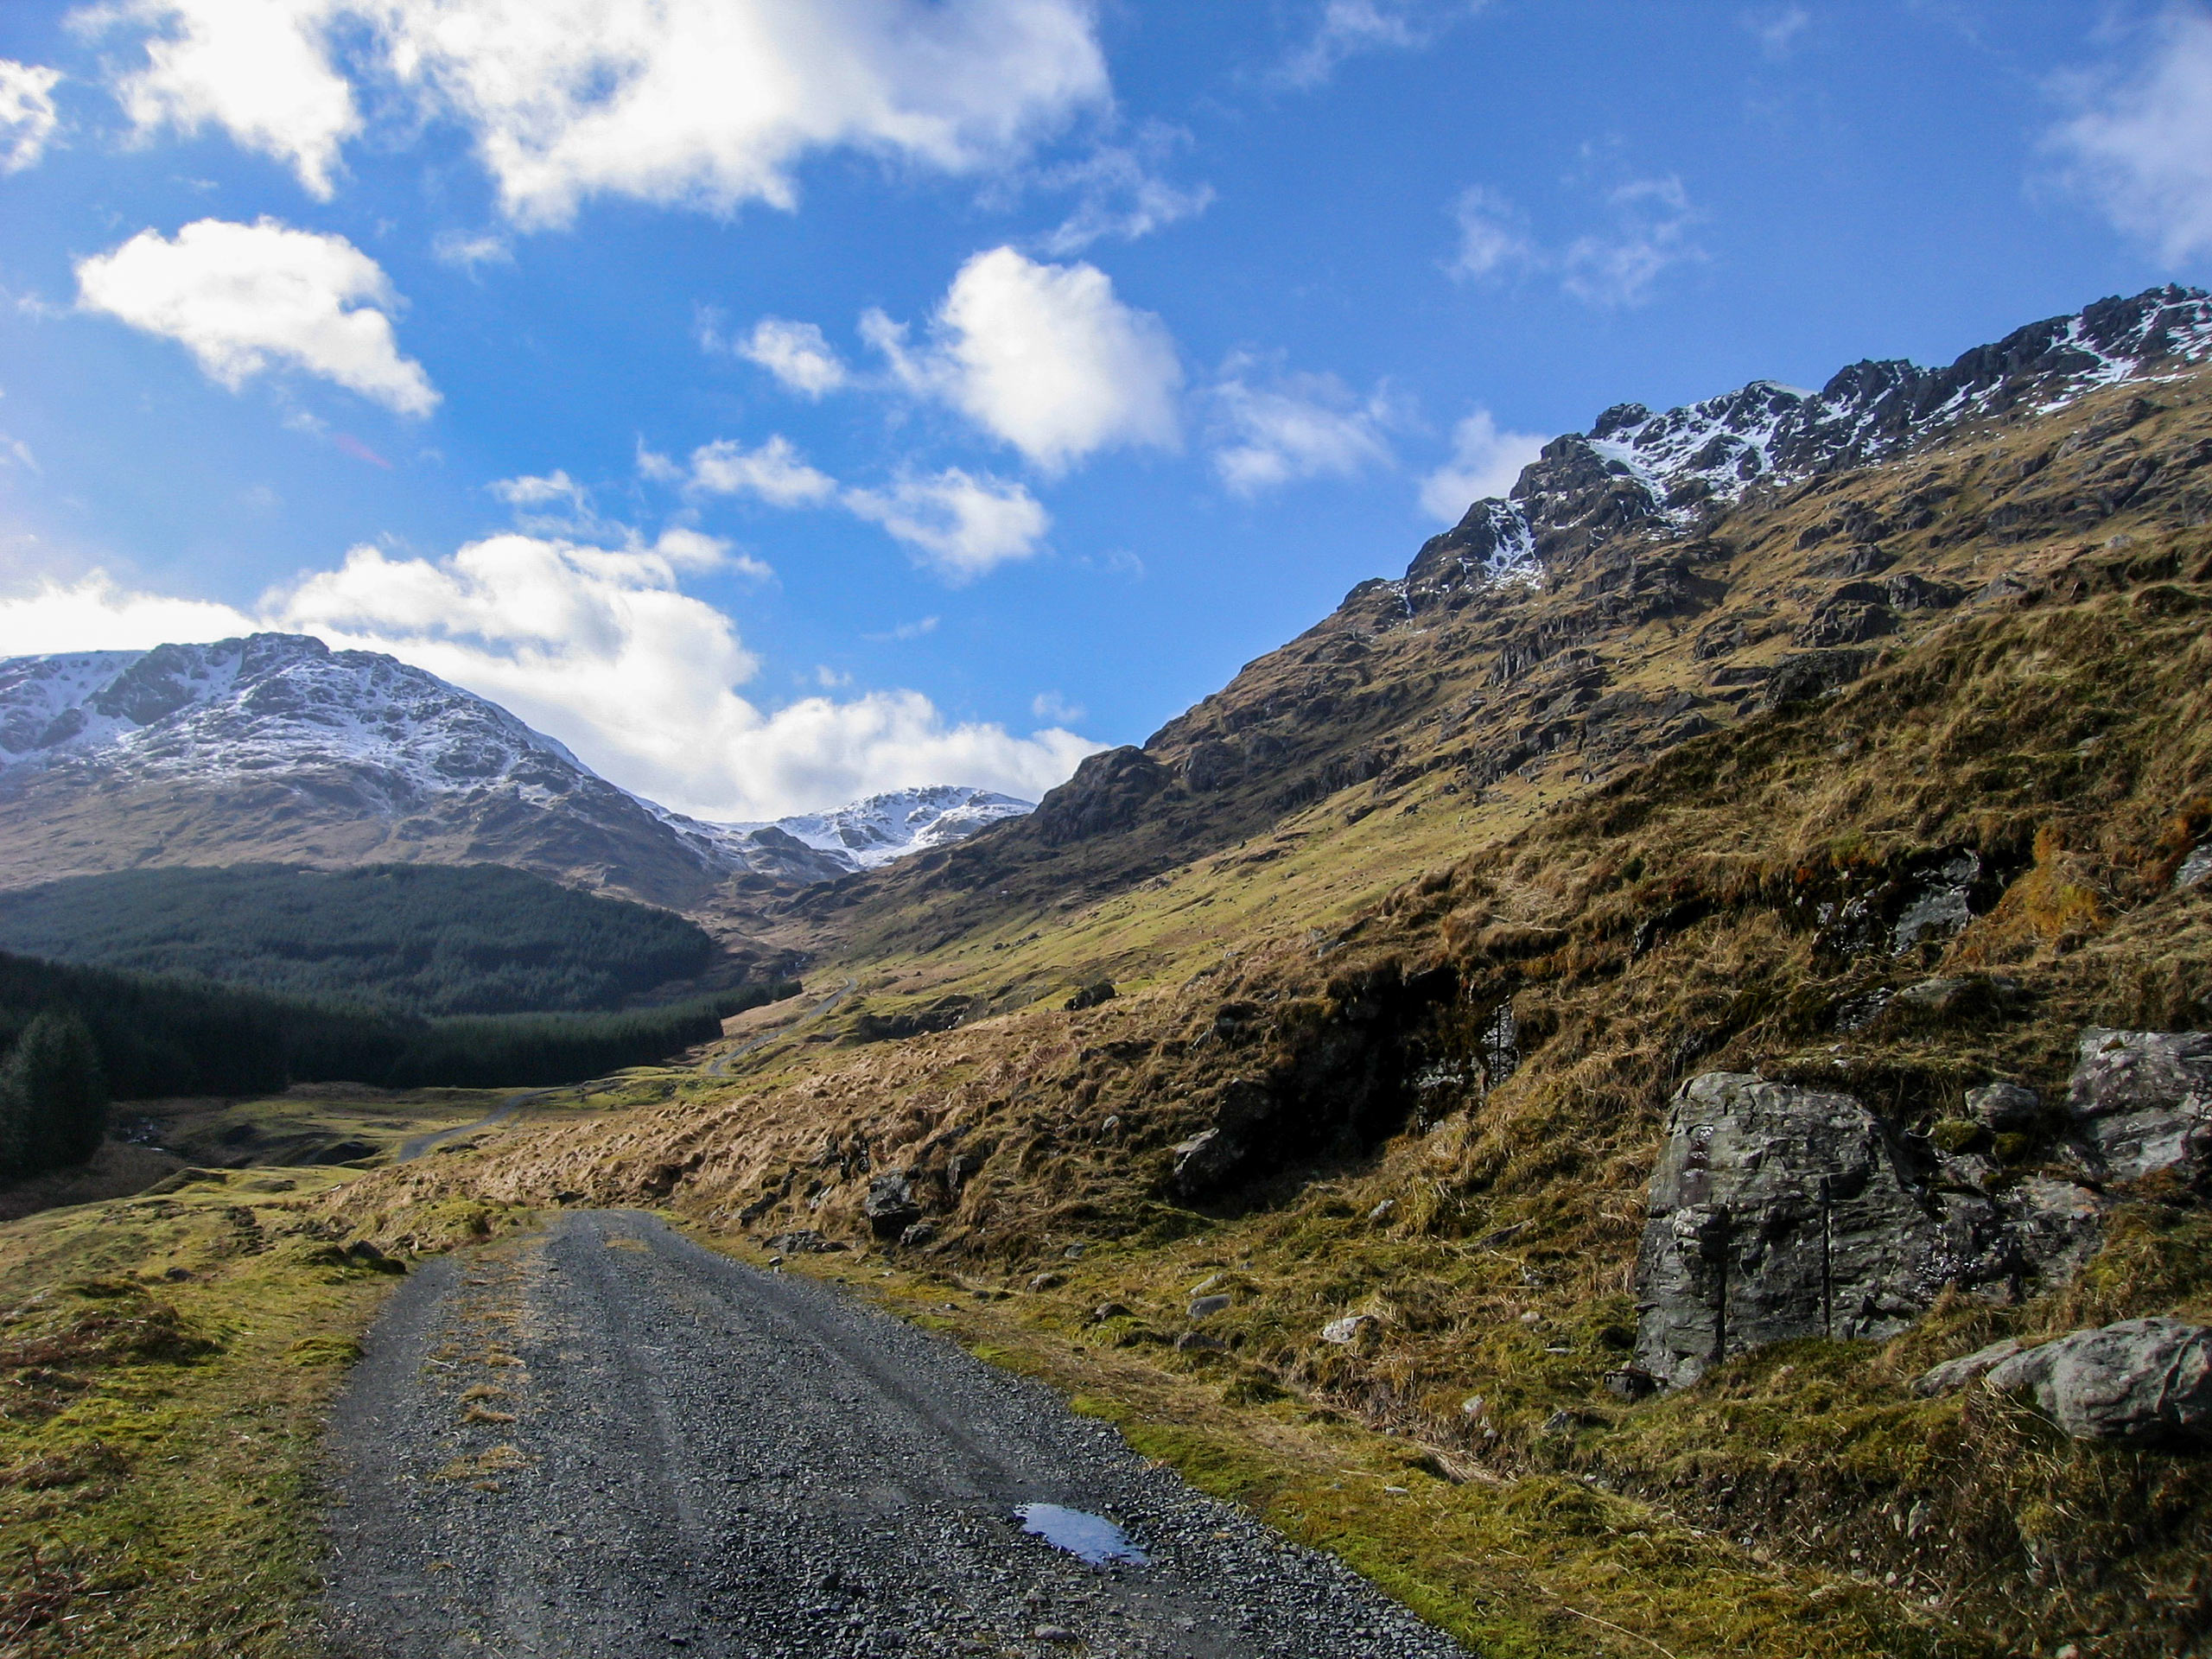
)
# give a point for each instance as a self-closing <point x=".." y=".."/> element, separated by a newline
<point x="608" y="1440"/>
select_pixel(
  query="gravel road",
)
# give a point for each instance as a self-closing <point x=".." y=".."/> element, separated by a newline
<point x="608" y="1440"/>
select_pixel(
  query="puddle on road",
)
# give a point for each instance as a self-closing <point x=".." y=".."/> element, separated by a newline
<point x="1091" y="1537"/>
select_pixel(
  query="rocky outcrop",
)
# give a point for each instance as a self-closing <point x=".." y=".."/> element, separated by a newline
<point x="2141" y="1101"/>
<point x="2142" y="1380"/>
<point x="1778" y="1213"/>
<point x="1107" y="793"/>
<point x="890" y="1207"/>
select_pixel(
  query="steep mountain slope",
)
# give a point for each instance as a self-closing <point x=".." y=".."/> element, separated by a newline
<point x="1658" y="577"/>
<point x="274" y="749"/>
<point x="1879" y="795"/>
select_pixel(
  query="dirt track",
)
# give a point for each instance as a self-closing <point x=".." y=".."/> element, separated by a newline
<point x="706" y="1457"/>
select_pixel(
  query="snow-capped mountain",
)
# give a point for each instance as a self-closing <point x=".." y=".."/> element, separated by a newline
<point x="276" y="748"/>
<point x="1634" y="469"/>
<point x="882" y="828"/>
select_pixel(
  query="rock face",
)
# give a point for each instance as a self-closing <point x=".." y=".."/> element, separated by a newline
<point x="2139" y="1380"/>
<point x="2142" y="1101"/>
<point x="1778" y="1213"/>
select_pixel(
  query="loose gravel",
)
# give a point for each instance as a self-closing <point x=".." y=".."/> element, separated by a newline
<point x="612" y="1442"/>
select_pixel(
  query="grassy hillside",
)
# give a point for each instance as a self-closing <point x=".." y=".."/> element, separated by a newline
<point x="416" y="938"/>
<point x="1442" y="1006"/>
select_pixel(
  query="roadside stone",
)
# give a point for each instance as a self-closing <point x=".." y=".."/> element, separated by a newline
<point x="2002" y="1106"/>
<point x="890" y="1207"/>
<point x="1778" y="1213"/>
<point x="1046" y="1281"/>
<point x="1204" y="1307"/>
<point x="2141" y="1379"/>
<point x="1199" y="1342"/>
<point x="1954" y="1374"/>
<point x="802" y="1243"/>
<point x="1106" y="1311"/>
<point x="921" y="1233"/>
<point x="2142" y="1101"/>
<point x="1346" y="1331"/>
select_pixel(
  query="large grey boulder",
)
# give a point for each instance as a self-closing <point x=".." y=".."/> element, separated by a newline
<point x="1778" y="1211"/>
<point x="2142" y="1101"/>
<point x="2138" y="1380"/>
<point x="890" y="1206"/>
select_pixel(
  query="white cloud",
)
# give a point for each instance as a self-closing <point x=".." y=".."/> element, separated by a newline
<point x="529" y="491"/>
<point x="600" y="649"/>
<point x="1346" y="28"/>
<point x="1647" y="232"/>
<point x="961" y="524"/>
<point x="904" y="632"/>
<point x="1777" y="28"/>
<point x="1484" y="462"/>
<point x="240" y="297"/>
<point x="1293" y="426"/>
<point x="773" y="473"/>
<point x="2139" y="146"/>
<point x="95" y="614"/>
<point x="796" y="354"/>
<point x="260" y="69"/>
<point x="1042" y="356"/>
<point x="706" y="104"/>
<point x="1493" y="235"/>
<point x="1651" y="233"/>
<point x="26" y="113"/>
<point x="1051" y="705"/>
<point x="469" y="251"/>
<point x="1121" y="193"/>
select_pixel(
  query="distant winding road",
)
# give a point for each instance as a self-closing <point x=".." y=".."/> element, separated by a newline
<point x="719" y="1067"/>
<point x="411" y="1150"/>
<point x="610" y="1441"/>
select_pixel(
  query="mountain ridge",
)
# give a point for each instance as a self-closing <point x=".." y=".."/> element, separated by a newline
<point x="1502" y="649"/>
<point x="273" y="747"/>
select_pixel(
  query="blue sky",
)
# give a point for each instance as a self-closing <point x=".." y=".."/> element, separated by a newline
<point x="779" y="401"/>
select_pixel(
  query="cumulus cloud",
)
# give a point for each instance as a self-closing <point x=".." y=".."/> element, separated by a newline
<point x="259" y="69"/>
<point x="96" y="614"/>
<point x="27" y="112"/>
<point x="961" y="524"/>
<point x="1042" y="356"/>
<point x="796" y="354"/>
<point x="1484" y="462"/>
<point x="2139" y="145"/>
<point x="242" y="297"/>
<point x="1345" y="28"/>
<point x="1273" y="429"/>
<point x="598" y="648"/>
<point x="706" y="104"/>
<point x="772" y="471"/>
<point x="550" y="489"/>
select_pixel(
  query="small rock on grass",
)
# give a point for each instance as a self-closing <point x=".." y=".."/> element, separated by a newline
<point x="1957" y="1373"/>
